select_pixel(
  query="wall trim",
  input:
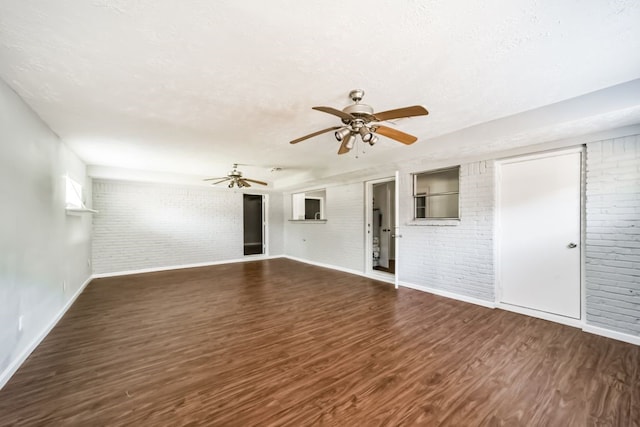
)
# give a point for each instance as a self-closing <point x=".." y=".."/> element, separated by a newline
<point x="372" y="276"/>
<point x="608" y="333"/>
<point x="182" y="266"/>
<point x="321" y="264"/>
<point x="447" y="294"/>
<point x="13" y="367"/>
<point x="381" y="277"/>
<point x="576" y="323"/>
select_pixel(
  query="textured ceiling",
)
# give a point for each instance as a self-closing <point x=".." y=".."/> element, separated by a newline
<point x="192" y="87"/>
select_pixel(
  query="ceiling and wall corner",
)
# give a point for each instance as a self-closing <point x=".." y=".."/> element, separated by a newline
<point x="153" y="90"/>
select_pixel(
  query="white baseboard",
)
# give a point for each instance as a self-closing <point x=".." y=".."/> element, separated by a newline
<point x="620" y="336"/>
<point x="374" y="276"/>
<point x="13" y="367"/>
<point x="448" y="294"/>
<point x="320" y="264"/>
<point x="382" y="277"/>
<point x="181" y="266"/>
<point x="576" y="323"/>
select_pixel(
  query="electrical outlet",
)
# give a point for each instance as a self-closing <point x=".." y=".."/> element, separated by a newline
<point x="20" y="323"/>
<point x="64" y="285"/>
<point x="89" y="262"/>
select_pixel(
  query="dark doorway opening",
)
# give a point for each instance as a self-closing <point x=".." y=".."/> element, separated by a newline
<point x="253" y="224"/>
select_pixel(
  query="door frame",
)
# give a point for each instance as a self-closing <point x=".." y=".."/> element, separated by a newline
<point x="582" y="224"/>
<point x="265" y="225"/>
<point x="368" y="221"/>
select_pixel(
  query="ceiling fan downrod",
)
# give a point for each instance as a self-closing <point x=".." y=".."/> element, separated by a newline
<point x="356" y="95"/>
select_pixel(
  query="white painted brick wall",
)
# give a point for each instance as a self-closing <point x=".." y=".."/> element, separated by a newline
<point x="276" y="224"/>
<point x="453" y="256"/>
<point x="613" y="234"/>
<point x="143" y="225"/>
<point x="150" y="225"/>
<point x="338" y="242"/>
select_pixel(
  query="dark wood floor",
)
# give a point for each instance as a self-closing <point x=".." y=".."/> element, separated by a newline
<point x="283" y="343"/>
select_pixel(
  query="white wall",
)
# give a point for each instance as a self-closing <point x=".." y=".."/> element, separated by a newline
<point x="458" y="257"/>
<point x="149" y="225"/>
<point x="40" y="246"/>
<point x="613" y="234"/>
<point x="339" y="241"/>
<point x="450" y="255"/>
<point x="276" y="219"/>
<point x="445" y="255"/>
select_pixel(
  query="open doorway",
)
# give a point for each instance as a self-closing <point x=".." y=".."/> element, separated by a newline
<point x="253" y="221"/>
<point x="381" y="219"/>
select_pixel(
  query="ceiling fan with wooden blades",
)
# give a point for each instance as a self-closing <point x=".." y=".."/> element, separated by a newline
<point x="235" y="179"/>
<point x="359" y="119"/>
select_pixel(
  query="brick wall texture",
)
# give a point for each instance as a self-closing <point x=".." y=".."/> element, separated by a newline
<point x="143" y="225"/>
<point x="150" y="225"/>
<point x="454" y="256"/>
<point x="613" y="234"/>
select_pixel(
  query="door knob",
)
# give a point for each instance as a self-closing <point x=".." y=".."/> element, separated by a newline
<point x="571" y="245"/>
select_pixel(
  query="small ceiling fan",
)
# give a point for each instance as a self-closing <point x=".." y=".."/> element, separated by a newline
<point x="235" y="179"/>
<point x="359" y="119"/>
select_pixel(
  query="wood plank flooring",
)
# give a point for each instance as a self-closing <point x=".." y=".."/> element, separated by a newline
<point x="279" y="342"/>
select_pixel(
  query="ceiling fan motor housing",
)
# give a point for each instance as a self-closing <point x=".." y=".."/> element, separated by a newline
<point x="361" y="111"/>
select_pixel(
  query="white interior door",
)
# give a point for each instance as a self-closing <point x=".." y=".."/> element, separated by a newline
<point x="396" y="226"/>
<point x="539" y="233"/>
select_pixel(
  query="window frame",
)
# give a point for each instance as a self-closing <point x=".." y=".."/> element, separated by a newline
<point x="422" y="197"/>
<point x="74" y="197"/>
<point x="298" y="202"/>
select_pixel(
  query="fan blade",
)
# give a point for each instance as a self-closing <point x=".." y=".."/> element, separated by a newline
<point x="416" y="110"/>
<point x="244" y="182"/>
<point x="335" y="112"/>
<point x="343" y="147"/>
<point x="399" y="136"/>
<point x="213" y="179"/>
<point x="218" y="182"/>
<point x="255" y="181"/>
<point x="311" y="135"/>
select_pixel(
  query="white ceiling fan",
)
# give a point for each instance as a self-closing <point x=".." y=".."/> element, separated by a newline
<point x="235" y="179"/>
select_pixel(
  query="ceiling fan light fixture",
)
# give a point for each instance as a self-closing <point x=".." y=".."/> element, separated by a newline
<point x="365" y="134"/>
<point x="360" y="119"/>
<point x="342" y="133"/>
<point x="349" y="144"/>
<point x="235" y="179"/>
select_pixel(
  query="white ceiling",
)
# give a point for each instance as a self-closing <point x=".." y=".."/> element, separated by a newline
<point x="188" y="88"/>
